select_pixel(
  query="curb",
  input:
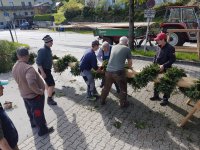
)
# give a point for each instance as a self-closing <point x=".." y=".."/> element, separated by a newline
<point x="183" y="62"/>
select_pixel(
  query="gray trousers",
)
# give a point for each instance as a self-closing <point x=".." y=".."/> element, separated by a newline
<point x="89" y="80"/>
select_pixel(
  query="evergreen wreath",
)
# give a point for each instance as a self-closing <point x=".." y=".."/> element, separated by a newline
<point x="168" y="82"/>
<point x="149" y="73"/>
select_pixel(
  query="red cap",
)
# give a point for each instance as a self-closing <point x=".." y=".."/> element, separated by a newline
<point x="160" y="36"/>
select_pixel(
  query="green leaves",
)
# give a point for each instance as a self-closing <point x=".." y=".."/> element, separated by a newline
<point x="168" y="82"/>
<point x="149" y="73"/>
<point x="62" y="63"/>
<point x="193" y="92"/>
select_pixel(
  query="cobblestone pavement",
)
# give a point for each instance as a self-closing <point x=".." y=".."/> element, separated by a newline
<point x="80" y="124"/>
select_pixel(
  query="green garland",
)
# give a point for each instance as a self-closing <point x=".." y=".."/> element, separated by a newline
<point x="168" y="82"/>
<point x="149" y="73"/>
<point x="62" y="63"/>
<point x="75" y="70"/>
<point x="193" y="92"/>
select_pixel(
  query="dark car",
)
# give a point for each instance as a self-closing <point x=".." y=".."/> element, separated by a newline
<point x="27" y="26"/>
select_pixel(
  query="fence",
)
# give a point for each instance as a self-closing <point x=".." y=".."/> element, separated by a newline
<point x="187" y="48"/>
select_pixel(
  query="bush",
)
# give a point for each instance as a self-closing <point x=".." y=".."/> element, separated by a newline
<point x="45" y="17"/>
<point x="6" y="51"/>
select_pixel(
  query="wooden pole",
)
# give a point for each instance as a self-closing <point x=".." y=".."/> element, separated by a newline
<point x="198" y="44"/>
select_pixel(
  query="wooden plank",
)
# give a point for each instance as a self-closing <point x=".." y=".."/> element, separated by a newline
<point x="198" y="44"/>
<point x="187" y="49"/>
<point x="183" y="30"/>
<point x="189" y="115"/>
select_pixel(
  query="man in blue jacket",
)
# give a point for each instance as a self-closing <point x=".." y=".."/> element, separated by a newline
<point x="8" y="132"/>
<point x="165" y="57"/>
<point x="87" y="63"/>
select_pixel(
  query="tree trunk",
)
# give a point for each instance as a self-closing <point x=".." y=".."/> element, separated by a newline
<point x="131" y="24"/>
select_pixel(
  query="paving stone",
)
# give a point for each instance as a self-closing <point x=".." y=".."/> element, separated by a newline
<point x="81" y="127"/>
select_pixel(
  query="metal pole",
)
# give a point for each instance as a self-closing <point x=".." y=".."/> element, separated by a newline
<point x="13" y="22"/>
<point x="147" y="32"/>
<point x="131" y="24"/>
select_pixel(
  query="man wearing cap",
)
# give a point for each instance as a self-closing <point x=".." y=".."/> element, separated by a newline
<point x="104" y="55"/>
<point x="31" y="87"/>
<point x="115" y="71"/>
<point x="8" y="132"/>
<point x="165" y="57"/>
<point x="44" y="61"/>
<point x="88" y="62"/>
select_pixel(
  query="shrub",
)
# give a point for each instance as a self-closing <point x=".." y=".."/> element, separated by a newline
<point x="6" y="51"/>
<point x="45" y="17"/>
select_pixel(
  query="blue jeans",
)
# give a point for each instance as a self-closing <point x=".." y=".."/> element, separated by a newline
<point x="89" y="80"/>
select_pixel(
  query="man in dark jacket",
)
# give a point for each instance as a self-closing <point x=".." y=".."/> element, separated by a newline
<point x="44" y="62"/>
<point x="165" y="57"/>
<point x="87" y="63"/>
<point x="8" y="132"/>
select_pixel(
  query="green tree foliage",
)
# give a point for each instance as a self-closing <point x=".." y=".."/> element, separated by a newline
<point x="71" y="9"/>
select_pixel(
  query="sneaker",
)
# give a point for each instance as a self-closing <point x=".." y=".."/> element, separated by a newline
<point x="155" y="98"/>
<point x="50" y="101"/>
<point x="164" y="103"/>
<point x="91" y="98"/>
<point x="46" y="131"/>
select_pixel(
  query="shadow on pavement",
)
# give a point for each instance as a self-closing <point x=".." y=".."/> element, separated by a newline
<point x="68" y="131"/>
<point x="139" y="126"/>
<point x="42" y="142"/>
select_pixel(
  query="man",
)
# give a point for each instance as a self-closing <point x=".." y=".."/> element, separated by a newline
<point x="115" y="71"/>
<point x="31" y="87"/>
<point x="165" y="57"/>
<point x="44" y="62"/>
<point x="8" y="132"/>
<point x="102" y="55"/>
<point x="88" y="62"/>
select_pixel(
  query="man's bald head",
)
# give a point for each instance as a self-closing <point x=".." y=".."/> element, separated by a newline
<point x="123" y="40"/>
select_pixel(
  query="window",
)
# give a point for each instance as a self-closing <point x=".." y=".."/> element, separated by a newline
<point x="32" y="13"/>
<point x="26" y="13"/>
<point x="29" y="4"/>
<point x="23" y="4"/>
<point x="14" y="14"/>
<point x="1" y="23"/>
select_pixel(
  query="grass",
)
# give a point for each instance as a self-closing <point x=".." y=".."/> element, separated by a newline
<point x="179" y="55"/>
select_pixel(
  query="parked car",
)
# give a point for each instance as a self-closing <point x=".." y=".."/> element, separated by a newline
<point x="27" y="26"/>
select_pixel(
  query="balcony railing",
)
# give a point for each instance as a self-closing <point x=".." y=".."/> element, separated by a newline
<point x="16" y="7"/>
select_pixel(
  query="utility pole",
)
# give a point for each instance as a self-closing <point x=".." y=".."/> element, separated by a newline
<point x="9" y="27"/>
<point x="131" y="24"/>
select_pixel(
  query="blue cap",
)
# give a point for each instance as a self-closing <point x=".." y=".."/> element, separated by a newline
<point x="3" y="82"/>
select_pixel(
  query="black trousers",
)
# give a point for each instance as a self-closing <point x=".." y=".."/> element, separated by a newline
<point x="35" y="111"/>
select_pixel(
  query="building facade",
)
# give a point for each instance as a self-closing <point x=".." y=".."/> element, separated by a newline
<point x="18" y="11"/>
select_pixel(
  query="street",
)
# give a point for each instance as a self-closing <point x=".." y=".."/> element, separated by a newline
<point x="81" y="124"/>
<point x="68" y="42"/>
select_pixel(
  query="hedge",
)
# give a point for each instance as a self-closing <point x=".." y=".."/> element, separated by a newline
<point x="45" y="17"/>
<point x="6" y="52"/>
